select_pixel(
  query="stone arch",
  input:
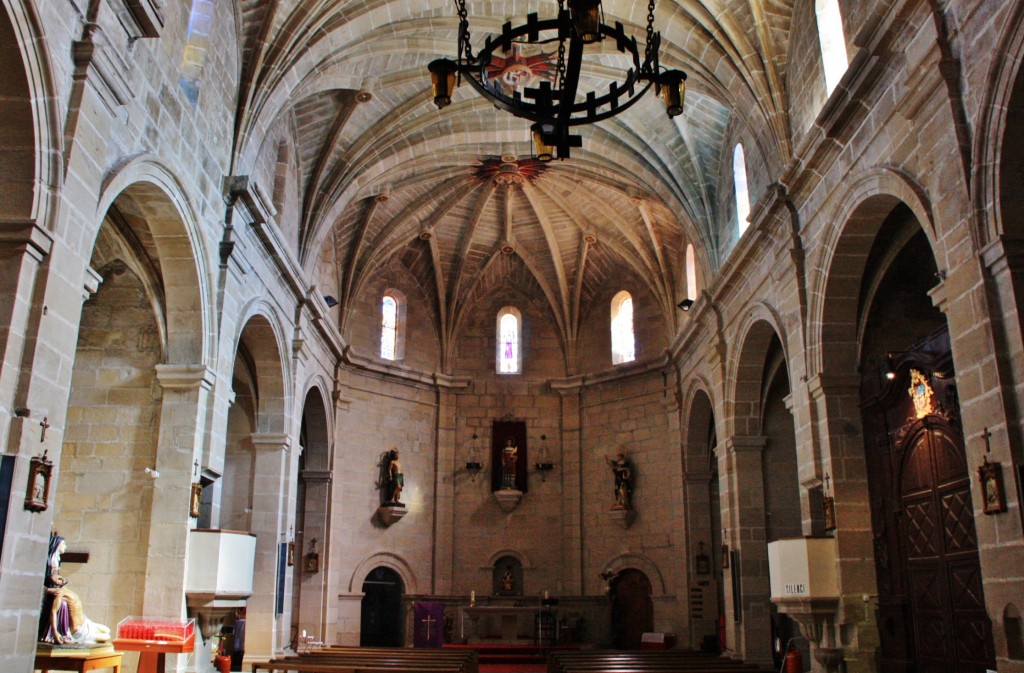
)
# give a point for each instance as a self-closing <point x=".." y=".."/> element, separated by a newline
<point x="700" y="414"/>
<point x="262" y="338"/>
<point x="395" y="562"/>
<point x="315" y="409"/>
<point x="992" y="141"/>
<point x="313" y="481"/>
<point x="747" y="370"/>
<point x="514" y="553"/>
<point x="32" y="140"/>
<point x="641" y="562"/>
<point x="170" y="229"/>
<point x="836" y="275"/>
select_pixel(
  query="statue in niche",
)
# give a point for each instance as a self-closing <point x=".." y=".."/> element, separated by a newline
<point x="623" y="472"/>
<point x="62" y="620"/>
<point x="508" y="464"/>
<point x="395" y="480"/>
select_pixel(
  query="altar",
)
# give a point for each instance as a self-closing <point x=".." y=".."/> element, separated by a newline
<point x="505" y="624"/>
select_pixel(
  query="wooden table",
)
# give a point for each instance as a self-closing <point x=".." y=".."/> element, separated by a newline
<point x="79" y="662"/>
<point x="153" y="653"/>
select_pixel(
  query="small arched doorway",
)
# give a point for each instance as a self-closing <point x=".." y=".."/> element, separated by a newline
<point x="632" y="609"/>
<point x="381" y="616"/>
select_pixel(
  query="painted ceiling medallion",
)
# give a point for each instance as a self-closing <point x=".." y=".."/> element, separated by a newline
<point x="515" y="72"/>
<point x="921" y="393"/>
<point x="508" y="173"/>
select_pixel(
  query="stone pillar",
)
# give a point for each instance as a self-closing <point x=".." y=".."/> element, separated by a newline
<point x="572" y="580"/>
<point x="186" y="391"/>
<point x="266" y="631"/>
<point x="836" y="401"/>
<point x="315" y="589"/>
<point x="701" y="539"/>
<point x="742" y="489"/>
<point x="442" y="579"/>
<point x="23" y="247"/>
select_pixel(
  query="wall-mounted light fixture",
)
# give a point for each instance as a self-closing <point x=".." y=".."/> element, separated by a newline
<point x="685" y="304"/>
<point x="330" y="301"/>
<point x="473" y="464"/>
<point x="543" y="464"/>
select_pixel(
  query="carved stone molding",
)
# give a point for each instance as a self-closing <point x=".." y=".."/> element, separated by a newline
<point x="389" y="515"/>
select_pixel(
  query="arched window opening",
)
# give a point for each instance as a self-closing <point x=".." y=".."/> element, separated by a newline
<point x="739" y="171"/>
<point x="389" y="328"/>
<point x="832" y="42"/>
<point x="392" y="325"/>
<point x="691" y="272"/>
<point x="197" y="41"/>
<point x="623" y="341"/>
<point x="509" y="360"/>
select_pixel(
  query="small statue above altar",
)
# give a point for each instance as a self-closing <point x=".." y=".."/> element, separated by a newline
<point x="508" y="464"/>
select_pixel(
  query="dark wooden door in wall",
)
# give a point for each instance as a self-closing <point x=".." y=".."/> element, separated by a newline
<point x="931" y="607"/>
<point x="952" y="631"/>
<point x="381" y="619"/>
<point x="632" y="609"/>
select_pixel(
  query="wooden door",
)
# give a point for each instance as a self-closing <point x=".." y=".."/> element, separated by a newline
<point x="382" y="619"/>
<point x="632" y="609"/>
<point x="951" y="629"/>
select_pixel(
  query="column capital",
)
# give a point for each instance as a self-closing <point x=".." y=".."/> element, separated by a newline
<point x="828" y="383"/>
<point x="323" y="476"/>
<point x="183" y="377"/>
<point x="24" y="237"/>
<point x="269" y="441"/>
<point x="745" y="443"/>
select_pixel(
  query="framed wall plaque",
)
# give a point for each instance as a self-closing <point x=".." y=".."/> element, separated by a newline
<point x="195" y="499"/>
<point x="994" y="495"/>
<point x="37" y="491"/>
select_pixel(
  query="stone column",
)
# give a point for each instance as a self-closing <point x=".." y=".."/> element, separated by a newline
<point x="742" y="489"/>
<point x="441" y="580"/>
<point x="836" y="402"/>
<point x="266" y="631"/>
<point x="572" y="579"/>
<point x="314" y="588"/>
<point x="23" y="247"/>
<point x="186" y="391"/>
<point x="697" y="515"/>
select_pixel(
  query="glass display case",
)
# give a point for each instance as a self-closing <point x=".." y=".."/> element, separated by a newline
<point x="154" y="639"/>
<point x="151" y="630"/>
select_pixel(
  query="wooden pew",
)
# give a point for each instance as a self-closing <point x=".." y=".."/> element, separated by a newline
<point x="373" y="660"/>
<point x="659" y="661"/>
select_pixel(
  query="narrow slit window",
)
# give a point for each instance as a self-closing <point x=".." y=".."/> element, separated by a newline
<point x="739" y="171"/>
<point x="509" y="332"/>
<point x="691" y="273"/>
<point x="832" y="41"/>
<point x="389" y="327"/>
<point x="623" y="339"/>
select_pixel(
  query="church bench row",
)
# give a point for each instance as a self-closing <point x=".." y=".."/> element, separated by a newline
<point x="373" y="660"/>
<point x="645" y="662"/>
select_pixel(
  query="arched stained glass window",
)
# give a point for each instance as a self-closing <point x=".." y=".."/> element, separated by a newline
<point x="389" y="328"/>
<point x="691" y="272"/>
<point x="832" y="42"/>
<point x="739" y="171"/>
<point x="509" y="356"/>
<point x="623" y="342"/>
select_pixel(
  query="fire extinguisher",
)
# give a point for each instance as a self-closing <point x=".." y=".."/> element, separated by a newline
<point x="794" y="663"/>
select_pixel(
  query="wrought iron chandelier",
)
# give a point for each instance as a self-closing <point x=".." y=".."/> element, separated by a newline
<point x="556" y="105"/>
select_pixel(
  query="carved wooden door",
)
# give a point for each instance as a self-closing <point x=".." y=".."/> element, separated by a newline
<point x="951" y="629"/>
<point x="632" y="609"/>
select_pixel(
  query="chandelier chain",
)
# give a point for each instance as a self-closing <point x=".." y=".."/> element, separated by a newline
<point x="460" y="6"/>
<point x="560" y="68"/>
<point x="650" y="31"/>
